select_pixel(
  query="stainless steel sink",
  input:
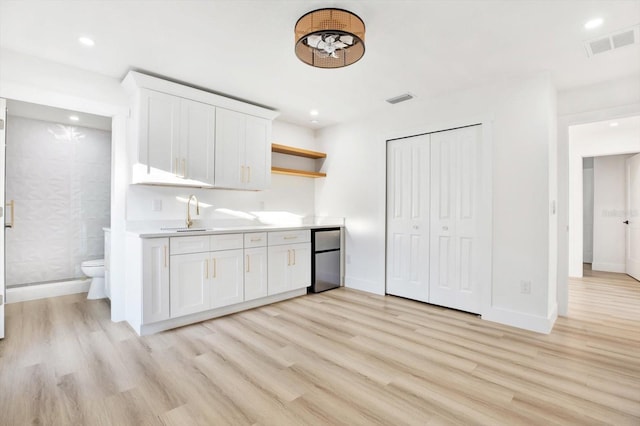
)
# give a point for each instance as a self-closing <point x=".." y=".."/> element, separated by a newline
<point x="183" y="229"/>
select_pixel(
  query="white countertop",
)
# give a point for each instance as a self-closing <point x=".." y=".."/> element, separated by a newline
<point x="172" y="232"/>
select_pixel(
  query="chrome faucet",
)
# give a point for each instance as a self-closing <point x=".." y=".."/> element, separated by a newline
<point x="189" y="222"/>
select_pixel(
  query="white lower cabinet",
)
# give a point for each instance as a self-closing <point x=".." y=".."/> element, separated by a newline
<point x="289" y="267"/>
<point x="190" y="283"/>
<point x="227" y="280"/>
<point x="182" y="276"/>
<point x="255" y="273"/>
<point x="155" y="280"/>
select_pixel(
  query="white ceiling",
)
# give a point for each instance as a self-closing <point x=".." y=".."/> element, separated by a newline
<point x="245" y="48"/>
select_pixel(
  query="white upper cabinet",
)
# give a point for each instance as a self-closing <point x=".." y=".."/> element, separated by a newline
<point x="174" y="127"/>
<point x="243" y="151"/>
<point x="176" y="140"/>
<point x="159" y="116"/>
<point x="197" y="139"/>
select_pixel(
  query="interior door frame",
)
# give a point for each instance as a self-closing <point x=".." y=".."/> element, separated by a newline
<point x="3" y="288"/>
<point x="485" y="187"/>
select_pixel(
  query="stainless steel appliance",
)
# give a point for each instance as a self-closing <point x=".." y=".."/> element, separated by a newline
<point x="325" y="264"/>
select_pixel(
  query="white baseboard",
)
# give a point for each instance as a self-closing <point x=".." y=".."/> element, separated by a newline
<point x="609" y="267"/>
<point x="522" y="320"/>
<point x="43" y="291"/>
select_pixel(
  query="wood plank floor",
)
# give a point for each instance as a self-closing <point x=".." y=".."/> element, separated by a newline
<point x="337" y="358"/>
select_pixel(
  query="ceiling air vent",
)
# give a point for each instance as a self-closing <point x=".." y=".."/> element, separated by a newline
<point x="401" y="98"/>
<point x="613" y="41"/>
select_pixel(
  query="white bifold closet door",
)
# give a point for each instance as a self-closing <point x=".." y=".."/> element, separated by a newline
<point x="408" y="218"/>
<point x="454" y="259"/>
<point x="432" y="218"/>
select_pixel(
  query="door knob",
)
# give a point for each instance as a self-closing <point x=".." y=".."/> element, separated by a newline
<point x="626" y="222"/>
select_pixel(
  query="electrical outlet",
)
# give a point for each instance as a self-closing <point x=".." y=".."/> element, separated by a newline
<point x="525" y="287"/>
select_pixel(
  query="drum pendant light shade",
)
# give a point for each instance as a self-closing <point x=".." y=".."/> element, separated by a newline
<point x="329" y="38"/>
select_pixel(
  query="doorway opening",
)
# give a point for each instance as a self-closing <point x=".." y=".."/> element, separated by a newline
<point x="58" y="198"/>
<point x="599" y="154"/>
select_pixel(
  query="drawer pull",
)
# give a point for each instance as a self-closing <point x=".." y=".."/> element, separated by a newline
<point x="165" y="255"/>
<point x="291" y="237"/>
<point x="255" y="240"/>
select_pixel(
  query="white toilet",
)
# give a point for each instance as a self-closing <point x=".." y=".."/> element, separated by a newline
<point x="94" y="269"/>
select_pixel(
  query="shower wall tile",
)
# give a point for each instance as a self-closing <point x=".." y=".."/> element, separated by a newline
<point x="59" y="177"/>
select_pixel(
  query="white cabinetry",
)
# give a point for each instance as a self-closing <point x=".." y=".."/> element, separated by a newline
<point x="289" y="261"/>
<point x="227" y="283"/>
<point x="190" y="286"/>
<point x="255" y="265"/>
<point x="175" y="129"/>
<point x="206" y="273"/>
<point x="180" y="280"/>
<point x="155" y="280"/>
<point x="176" y="138"/>
<point x="243" y="151"/>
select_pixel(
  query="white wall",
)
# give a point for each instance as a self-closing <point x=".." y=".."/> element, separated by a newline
<point x="609" y="202"/>
<point x="59" y="177"/>
<point x="519" y="120"/>
<point x="607" y="100"/>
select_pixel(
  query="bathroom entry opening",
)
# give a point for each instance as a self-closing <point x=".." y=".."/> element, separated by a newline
<point x="58" y="183"/>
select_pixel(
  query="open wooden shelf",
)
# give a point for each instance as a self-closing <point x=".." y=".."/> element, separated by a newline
<point x="294" y="172"/>
<point x="297" y="152"/>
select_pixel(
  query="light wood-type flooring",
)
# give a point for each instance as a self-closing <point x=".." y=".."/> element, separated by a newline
<point x="338" y="358"/>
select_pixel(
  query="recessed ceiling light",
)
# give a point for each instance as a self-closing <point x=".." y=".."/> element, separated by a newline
<point x="86" y="41"/>
<point x="614" y="124"/>
<point x="314" y="121"/>
<point x="74" y="118"/>
<point x="594" y="23"/>
<point x="314" y="112"/>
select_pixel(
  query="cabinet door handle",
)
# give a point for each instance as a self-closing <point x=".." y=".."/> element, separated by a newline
<point x="249" y="174"/>
<point x="215" y="268"/>
<point x="288" y="257"/>
<point x="11" y="204"/>
<point x="248" y="264"/>
<point x="294" y="256"/>
<point x="206" y="274"/>
<point x="184" y="168"/>
<point x="165" y="256"/>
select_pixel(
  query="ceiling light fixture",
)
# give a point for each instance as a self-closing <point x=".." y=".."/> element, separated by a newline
<point x="594" y="23"/>
<point x="314" y="112"/>
<point x="74" y="118"/>
<point x="614" y="124"/>
<point x="86" y="41"/>
<point x="329" y="38"/>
